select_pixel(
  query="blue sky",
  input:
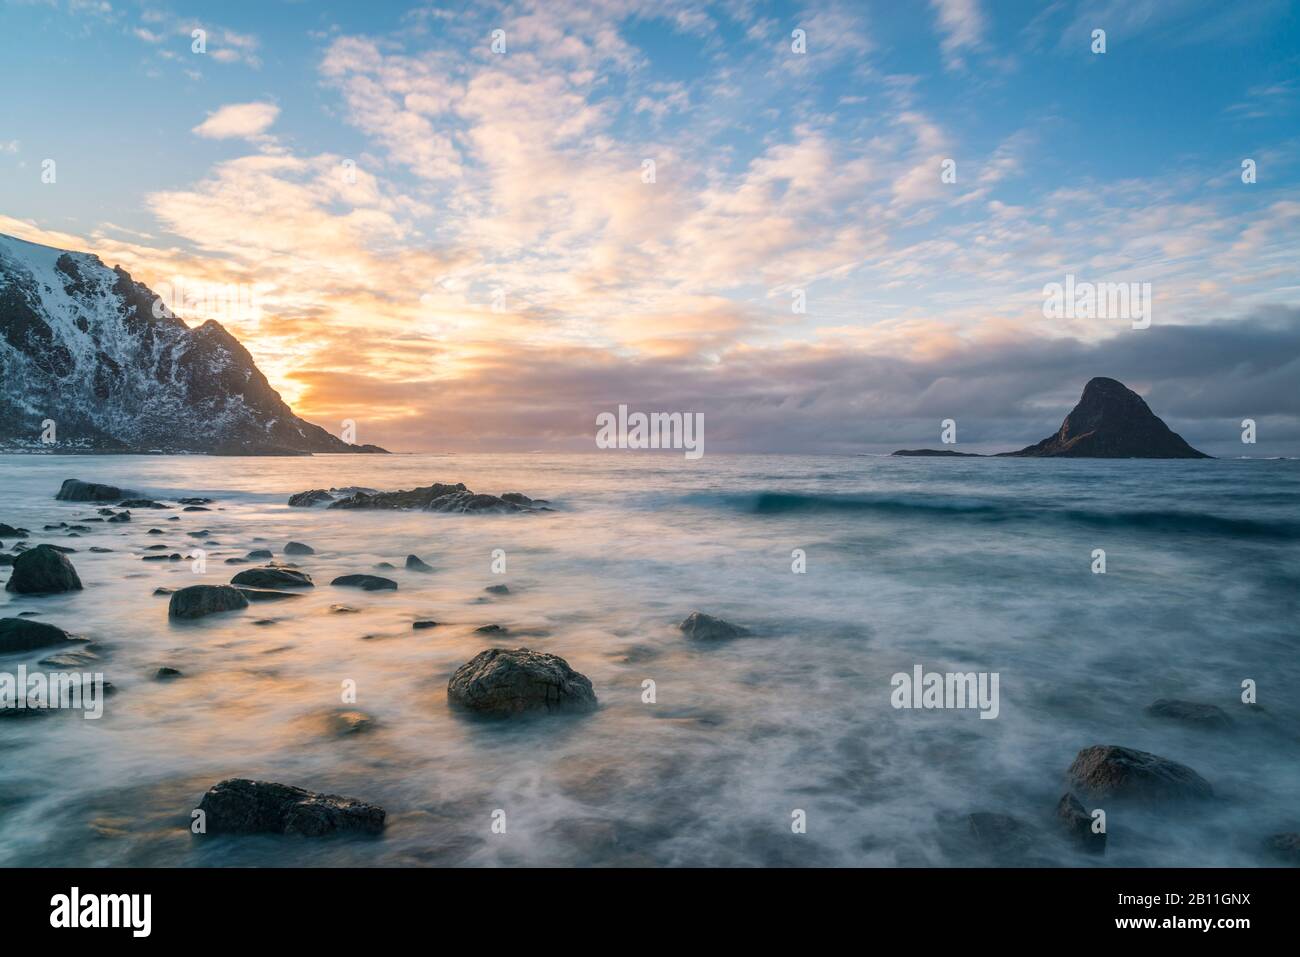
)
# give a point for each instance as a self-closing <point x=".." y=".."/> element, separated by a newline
<point x="498" y="217"/>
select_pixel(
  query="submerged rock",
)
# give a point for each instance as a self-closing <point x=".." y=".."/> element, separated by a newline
<point x="1110" y="771"/>
<point x="199" y="600"/>
<point x="343" y="723"/>
<point x="141" y="503"/>
<point x="74" y="490"/>
<point x="701" y="627"/>
<point x="497" y="590"/>
<point x="258" y="553"/>
<point x="1285" y="847"/>
<point x="415" y="564"/>
<point x="424" y="623"/>
<point x="241" y="806"/>
<point x="167" y="674"/>
<point x="366" y="582"/>
<point x="42" y="570"/>
<point x="1190" y="712"/>
<point x="433" y="498"/>
<point x="20" y="634"/>
<point x="269" y="577"/>
<point x="298" y="548"/>
<point x="1077" y="824"/>
<point x="500" y="681"/>
<point x="999" y="835"/>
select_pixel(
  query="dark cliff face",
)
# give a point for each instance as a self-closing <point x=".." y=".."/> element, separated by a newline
<point x="80" y="345"/>
<point x="1112" y="421"/>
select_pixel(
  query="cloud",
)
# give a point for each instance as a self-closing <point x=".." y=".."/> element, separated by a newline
<point x="962" y="25"/>
<point x="238" y="120"/>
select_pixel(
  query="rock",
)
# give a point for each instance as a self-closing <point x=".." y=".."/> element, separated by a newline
<point x="343" y="723"/>
<point x="415" y="564"/>
<point x="701" y="627"/>
<point x="20" y="634"/>
<point x="196" y="508"/>
<point x="173" y="557"/>
<point x="167" y="674"/>
<point x="309" y="498"/>
<point x="432" y="498"/>
<point x="518" y="498"/>
<point x="241" y="806"/>
<point x="1077" y="823"/>
<point x="74" y="490"/>
<point x="499" y="681"/>
<point x="10" y="531"/>
<point x="490" y="630"/>
<point x="384" y="565"/>
<point x="343" y="610"/>
<point x="99" y="549"/>
<point x="6" y="561"/>
<point x="1189" y="712"/>
<point x="260" y="553"/>
<point x="141" y="503"/>
<point x="366" y="582"/>
<point x="42" y="571"/>
<point x="155" y="548"/>
<point x="155" y="531"/>
<point x="199" y="600"/>
<point x="424" y="623"/>
<point x="497" y="590"/>
<point x="1285" y="847"/>
<point x="266" y="594"/>
<point x="1112" y="422"/>
<point x="76" y="658"/>
<point x="120" y="517"/>
<point x="937" y="453"/>
<point x="268" y="577"/>
<point x="1108" y="771"/>
<point x="164" y="591"/>
<point x="201" y="533"/>
<point x="298" y="548"/>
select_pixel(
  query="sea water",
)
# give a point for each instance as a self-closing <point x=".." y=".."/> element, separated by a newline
<point x="846" y="570"/>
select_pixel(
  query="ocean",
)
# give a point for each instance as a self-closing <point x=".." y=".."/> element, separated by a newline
<point x="846" y="570"/>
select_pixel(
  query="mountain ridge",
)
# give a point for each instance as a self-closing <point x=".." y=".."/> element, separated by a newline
<point x="81" y="345"/>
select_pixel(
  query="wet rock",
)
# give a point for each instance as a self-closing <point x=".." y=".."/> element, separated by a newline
<point x="366" y="582"/>
<point x="501" y="681"/>
<point x="497" y="590"/>
<point x="199" y="600"/>
<point x="173" y="557"/>
<point x="99" y="549"/>
<point x="701" y="627"/>
<point x="155" y="548"/>
<point x="164" y="591"/>
<point x="241" y="806"/>
<point x="1190" y="713"/>
<point x="385" y="565"/>
<point x="6" y="560"/>
<point x="1077" y="824"/>
<point x="309" y="498"/>
<point x="155" y="531"/>
<point x="298" y="548"/>
<point x="195" y="501"/>
<point x="76" y="658"/>
<point x="20" y="634"/>
<point x="272" y="578"/>
<point x="260" y="553"/>
<point x="10" y="531"/>
<point x="431" y="498"/>
<point x="343" y="723"/>
<point x="424" y="623"/>
<point x="1285" y="847"/>
<point x="518" y="498"/>
<point x="490" y="630"/>
<point x="167" y="674"/>
<point x="201" y="533"/>
<point x="343" y="610"/>
<point x="415" y="564"/>
<point x="1108" y="771"/>
<point x="236" y="561"/>
<point x="141" y="503"/>
<point x="120" y="517"/>
<point x="74" y="490"/>
<point x="196" y="508"/>
<point x="42" y="570"/>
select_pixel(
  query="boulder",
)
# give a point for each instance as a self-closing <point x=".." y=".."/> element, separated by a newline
<point x="241" y="806"/>
<point x="268" y="577"/>
<point x="10" y="531"/>
<point x="19" y="635"/>
<point x="1077" y="824"/>
<point x="415" y="564"/>
<point x="74" y="490"/>
<point x="309" y="498"/>
<point x="298" y="548"/>
<point x="1190" y="713"/>
<point x="199" y="600"/>
<point x="366" y="582"/>
<point x="438" y="497"/>
<point x="503" y="682"/>
<point x="42" y="570"/>
<point x="701" y="627"/>
<point x="1108" y="771"/>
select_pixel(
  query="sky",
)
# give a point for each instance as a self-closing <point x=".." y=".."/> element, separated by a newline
<point x="826" y="226"/>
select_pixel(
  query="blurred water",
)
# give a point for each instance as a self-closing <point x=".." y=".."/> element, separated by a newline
<point x="958" y="565"/>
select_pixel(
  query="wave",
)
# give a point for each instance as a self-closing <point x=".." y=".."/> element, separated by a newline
<point x="994" y="510"/>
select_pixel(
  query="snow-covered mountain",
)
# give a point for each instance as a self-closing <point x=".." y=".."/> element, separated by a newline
<point x="81" y="346"/>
